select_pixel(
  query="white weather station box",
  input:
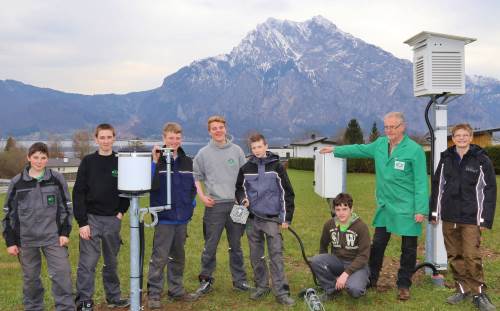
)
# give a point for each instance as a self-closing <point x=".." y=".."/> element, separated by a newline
<point x="438" y="63"/>
<point x="329" y="175"/>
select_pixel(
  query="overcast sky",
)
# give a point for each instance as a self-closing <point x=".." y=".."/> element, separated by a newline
<point x="99" y="46"/>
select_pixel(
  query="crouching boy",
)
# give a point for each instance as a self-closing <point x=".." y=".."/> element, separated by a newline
<point x="38" y="220"/>
<point x="347" y="265"/>
<point x="264" y="188"/>
<point x="171" y="231"/>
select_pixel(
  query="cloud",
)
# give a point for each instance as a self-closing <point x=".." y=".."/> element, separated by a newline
<point x="122" y="46"/>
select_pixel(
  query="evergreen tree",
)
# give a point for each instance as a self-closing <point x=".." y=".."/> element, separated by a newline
<point x="374" y="133"/>
<point x="353" y="133"/>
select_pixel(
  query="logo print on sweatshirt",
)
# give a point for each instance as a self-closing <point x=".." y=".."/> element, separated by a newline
<point x="231" y="162"/>
<point x="350" y="238"/>
<point x="51" y="199"/>
<point x="114" y="173"/>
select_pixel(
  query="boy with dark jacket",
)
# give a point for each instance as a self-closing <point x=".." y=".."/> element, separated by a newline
<point x="347" y="265"/>
<point x="464" y="197"/>
<point x="264" y="188"/>
<point x="171" y="231"/>
<point x="99" y="211"/>
<point x="38" y="218"/>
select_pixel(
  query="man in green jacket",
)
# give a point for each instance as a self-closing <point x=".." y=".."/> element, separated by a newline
<point x="401" y="193"/>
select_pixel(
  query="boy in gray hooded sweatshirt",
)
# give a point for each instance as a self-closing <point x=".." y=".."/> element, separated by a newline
<point x="217" y="166"/>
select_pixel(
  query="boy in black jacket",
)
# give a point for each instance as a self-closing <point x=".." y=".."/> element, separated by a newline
<point x="171" y="231"/>
<point x="464" y="197"/>
<point x="99" y="210"/>
<point x="38" y="220"/>
<point x="264" y="188"/>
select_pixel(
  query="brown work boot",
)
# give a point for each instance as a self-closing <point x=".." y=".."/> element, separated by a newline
<point x="404" y="294"/>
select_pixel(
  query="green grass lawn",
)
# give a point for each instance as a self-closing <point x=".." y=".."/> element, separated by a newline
<point x="310" y="214"/>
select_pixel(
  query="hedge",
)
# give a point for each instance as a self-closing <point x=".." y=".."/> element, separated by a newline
<point x="368" y="166"/>
<point x="305" y="164"/>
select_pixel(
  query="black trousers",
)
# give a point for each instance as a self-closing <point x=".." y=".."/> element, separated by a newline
<point x="407" y="262"/>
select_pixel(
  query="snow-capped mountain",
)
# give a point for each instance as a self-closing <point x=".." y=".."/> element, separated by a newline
<point x="285" y="78"/>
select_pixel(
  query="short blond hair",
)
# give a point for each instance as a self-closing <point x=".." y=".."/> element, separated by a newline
<point x="215" y="118"/>
<point x="172" y="127"/>
<point x="462" y="126"/>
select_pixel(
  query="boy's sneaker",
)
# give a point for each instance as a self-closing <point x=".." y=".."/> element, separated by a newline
<point x="154" y="303"/>
<point x="259" y="293"/>
<point x="86" y="305"/>
<point x="184" y="297"/>
<point x="118" y="303"/>
<point x="483" y="302"/>
<point x="242" y="287"/>
<point x="285" y="300"/>
<point x="457" y="298"/>
<point x="205" y="288"/>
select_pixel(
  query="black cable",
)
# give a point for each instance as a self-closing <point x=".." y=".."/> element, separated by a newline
<point x="141" y="259"/>
<point x="431" y="130"/>
<point x="304" y="256"/>
<point x="427" y="265"/>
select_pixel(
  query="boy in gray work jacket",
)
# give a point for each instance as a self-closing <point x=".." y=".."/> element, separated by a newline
<point x="217" y="165"/>
<point x="264" y="188"/>
<point x="38" y="218"/>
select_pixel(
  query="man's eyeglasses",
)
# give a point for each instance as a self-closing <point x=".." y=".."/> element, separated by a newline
<point x="392" y="127"/>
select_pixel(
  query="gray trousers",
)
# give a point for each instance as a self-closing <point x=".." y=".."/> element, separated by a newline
<point x="105" y="234"/>
<point x="168" y="250"/>
<point x="59" y="273"/>
<point x="215" y="219"/>
<point x="258" y="232"/>
<point x="328" y="268"/>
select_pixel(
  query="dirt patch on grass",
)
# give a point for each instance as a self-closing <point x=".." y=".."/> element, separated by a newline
<point x="489" y="254"/>
<point x="9" y="265"/>
<point x="388" y="274"/>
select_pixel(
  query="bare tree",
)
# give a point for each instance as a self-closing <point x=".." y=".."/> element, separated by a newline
<point x="12" y="162"/>
<point x="10" y="144"/>
<point x="82" y="143"/>
<point x="55" y="147"/>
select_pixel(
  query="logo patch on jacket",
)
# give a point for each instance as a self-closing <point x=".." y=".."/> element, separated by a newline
<point x="471" y="169"/>
<point x="231" y="162"/>
<point x="399" y="165"/>
<point x="114" y="173"/>
<point x="51" y="199"/>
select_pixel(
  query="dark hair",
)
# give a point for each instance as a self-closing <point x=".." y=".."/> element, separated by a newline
<point x="104" y="126"/>
<point x="343" y="198"/>
<point x="38" y="147"/>
<point x="255" y="137"/>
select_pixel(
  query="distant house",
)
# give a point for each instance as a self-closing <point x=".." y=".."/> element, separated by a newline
<point x="284" y="152"/>
<point x="305" y="148"/>
<point x="482" y="137"/>
<point x="66" y="166"/>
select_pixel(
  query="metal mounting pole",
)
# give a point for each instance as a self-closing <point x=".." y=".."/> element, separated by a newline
<point x="435" y="251"/>
<point x="135" y="292"/>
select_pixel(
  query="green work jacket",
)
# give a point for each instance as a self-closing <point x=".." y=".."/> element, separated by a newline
<point x="401" y="183"/>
